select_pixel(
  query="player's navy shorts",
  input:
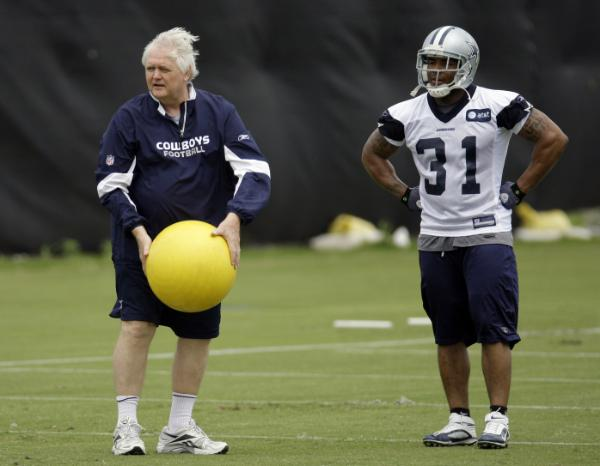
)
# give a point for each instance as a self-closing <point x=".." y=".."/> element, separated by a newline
<point x="471" y="294"/>
<point x="136" y="301"/>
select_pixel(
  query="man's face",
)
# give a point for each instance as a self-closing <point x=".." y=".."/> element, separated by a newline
<point x="440" y="70"/>
<point x="164" y="79"/>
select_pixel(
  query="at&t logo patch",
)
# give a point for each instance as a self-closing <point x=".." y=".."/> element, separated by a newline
<point x="484" y="114"/>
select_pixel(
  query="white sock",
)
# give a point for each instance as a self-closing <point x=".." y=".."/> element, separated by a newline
<point x="127" y="407"/>
<point x="181" y="411"/>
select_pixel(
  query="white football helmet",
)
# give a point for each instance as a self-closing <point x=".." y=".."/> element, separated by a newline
<point x="461" y="52"/>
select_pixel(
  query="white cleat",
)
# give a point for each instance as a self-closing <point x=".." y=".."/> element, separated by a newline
<point x="190" y="439"/>
<point x="126" y="438"/>
<point x="495" y="434"/>
<point x="460" y="430"/>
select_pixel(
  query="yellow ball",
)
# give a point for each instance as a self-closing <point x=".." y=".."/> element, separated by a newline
<point x="189" y="269"/>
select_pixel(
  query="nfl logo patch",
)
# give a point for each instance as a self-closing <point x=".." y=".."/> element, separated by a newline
<point x="110" y="159"/>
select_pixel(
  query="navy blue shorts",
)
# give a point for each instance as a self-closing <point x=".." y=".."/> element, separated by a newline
<point x="136" y="301"/>
<point x="471" y="294"/>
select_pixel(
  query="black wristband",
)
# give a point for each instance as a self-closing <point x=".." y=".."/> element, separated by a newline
<point x="406" y="196"/>
<point x="515" y="189"/>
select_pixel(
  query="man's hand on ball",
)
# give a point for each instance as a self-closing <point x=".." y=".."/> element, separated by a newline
<point x="229" y="229"/>
<point x="143" y="242"/>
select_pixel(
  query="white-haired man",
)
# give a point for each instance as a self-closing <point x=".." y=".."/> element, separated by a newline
<point x="458" y="134"/>
<point x="173" y="153"/>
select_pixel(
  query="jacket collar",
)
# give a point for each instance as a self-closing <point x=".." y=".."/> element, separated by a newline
<point x="161" y="109"/>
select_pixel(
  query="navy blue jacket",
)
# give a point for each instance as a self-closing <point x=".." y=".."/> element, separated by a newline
<point x="154" y="172"/>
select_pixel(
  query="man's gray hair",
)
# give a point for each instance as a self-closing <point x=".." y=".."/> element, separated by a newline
<point x="179" y="46"/>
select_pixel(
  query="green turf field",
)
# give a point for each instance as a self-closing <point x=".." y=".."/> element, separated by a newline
<point x="284" y="387"/>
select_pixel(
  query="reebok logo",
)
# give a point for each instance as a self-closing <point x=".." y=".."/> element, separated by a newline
<point x="181" y="438"/>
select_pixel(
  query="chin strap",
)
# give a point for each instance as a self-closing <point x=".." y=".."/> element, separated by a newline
<point x="466" y="92"/>
<point x="415" y="91"/>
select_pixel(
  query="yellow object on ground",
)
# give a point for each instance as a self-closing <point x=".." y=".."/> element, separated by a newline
<point x="555" y="219"/>
<point x="346" y="223"/>
<point x="547" y="225"/>
<point x="347" y="232"/>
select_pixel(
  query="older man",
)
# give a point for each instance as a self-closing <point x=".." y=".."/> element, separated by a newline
<point x="173" y="153"/>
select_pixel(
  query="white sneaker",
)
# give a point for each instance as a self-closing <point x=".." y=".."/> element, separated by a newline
<point x="190" y="439"/>
<point x="126" y="438"/>
<point x="495" y="434"/>
<point x="459" y="431"/>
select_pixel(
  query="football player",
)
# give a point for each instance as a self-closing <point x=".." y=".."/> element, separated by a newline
<point x="458" y="134"/>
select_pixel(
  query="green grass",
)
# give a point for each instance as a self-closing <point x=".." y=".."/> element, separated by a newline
<point x="327" y="396"/>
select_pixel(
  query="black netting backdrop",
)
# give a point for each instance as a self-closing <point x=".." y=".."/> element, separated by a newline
<point x="309" y="78"/>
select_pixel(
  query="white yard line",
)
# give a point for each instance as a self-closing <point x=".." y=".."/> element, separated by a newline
<point x="290" y="375"/>
<point x="346" y="346"/>
<point x="517" y="353"/>
<point x="77" y="360"/>
<point x="557" y="354"/>
<point x="349" y="346"/>
<point x="302" y="438"/>
<point x="229" y="351"/>
<point x="561" y="332"/>
<point x="401" y="402"/>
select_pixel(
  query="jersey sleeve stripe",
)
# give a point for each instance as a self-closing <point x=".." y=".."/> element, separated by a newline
<point x="242" y="166"/>
<point x="114" y="181"/>
<point x="394" y="143"/>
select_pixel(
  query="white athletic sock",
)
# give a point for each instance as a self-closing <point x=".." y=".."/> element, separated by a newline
<point x="181" y="411"/>
<point x="127" y="407"/>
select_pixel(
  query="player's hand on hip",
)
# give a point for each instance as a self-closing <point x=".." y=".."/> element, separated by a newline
<point x="510" y="195"/>
<point x="412" y="199"/>
<point x="229" y="229"/>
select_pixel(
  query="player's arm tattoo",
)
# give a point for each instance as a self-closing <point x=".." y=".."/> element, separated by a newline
<point x="377" y="144"/>
<point x="535" y="126"/>
<point x="376" y="152"/>
<point x="549" y="143"/>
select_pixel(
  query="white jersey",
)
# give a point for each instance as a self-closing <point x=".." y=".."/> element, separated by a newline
<point x="460" y="157"/>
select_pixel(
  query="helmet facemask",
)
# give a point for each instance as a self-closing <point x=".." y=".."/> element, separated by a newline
<point x="453" y="64"/>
